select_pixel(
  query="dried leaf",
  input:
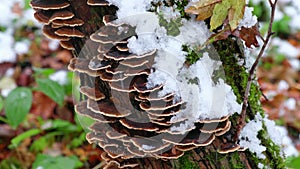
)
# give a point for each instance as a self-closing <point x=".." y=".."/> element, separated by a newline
<point x="204" y="9"/>
<point x="204" y="3"/>
<point x="206" y="12"/>
<point x="236" y="13"/>
<point x="248" y="35"/>
<point x="220" y="13"/>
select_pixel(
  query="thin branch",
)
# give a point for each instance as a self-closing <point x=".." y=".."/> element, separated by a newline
<point x="241" y="122"/>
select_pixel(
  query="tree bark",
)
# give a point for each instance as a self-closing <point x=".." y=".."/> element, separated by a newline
<point x="236" y="76"/>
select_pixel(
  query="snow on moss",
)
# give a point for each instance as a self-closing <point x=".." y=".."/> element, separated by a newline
<point x="248" y="137"/>
<point x="279" y="135"/>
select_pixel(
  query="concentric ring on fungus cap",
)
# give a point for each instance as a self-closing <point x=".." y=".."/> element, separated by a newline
<point x="149" y="145"/>
<point x="49" y="4"/>
<point x="92" y="93"/>
<point x="97" y="3"/>
<point x="61" y="14"/>
<point x="138" y="126"/>
<point x="81" y="108"/>
<point x="68" y="22"/>
<point x="214" y="127"/>
<point x="69" y="32"/>
<point x="67" y="45"/>
<point x="194" y="137"/>
<point x="49" y="32"/>
<point x="228" y="148"/>
<point x="107" y="108"/>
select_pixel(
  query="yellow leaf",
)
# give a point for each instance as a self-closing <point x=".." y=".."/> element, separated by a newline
<point x="205" y="12"/>
<point x="236" y="13"/>
<point x="204" y="3"/>
<point x="203" y="8"/>
<point x="220" y="13"/>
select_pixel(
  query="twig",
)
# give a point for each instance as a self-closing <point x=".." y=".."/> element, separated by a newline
<point x="241" y="122"/>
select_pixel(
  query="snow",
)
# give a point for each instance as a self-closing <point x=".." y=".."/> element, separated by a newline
<point x="260" y="166"/>
<point x="290" y="104"/>
<point x="130" y="7"/>
<point x="21" y="47"/>
<point x="205" y="100"/>
<point x="169" y="12"/>
<point x="249" y="20"/>
<point x="7" y="83"/>
<point x="248" y="137"/>
<point x="7" y="53"/>
<point x="278" y="134"/>
<point x="285" y="48"/>
<point x="280" y="137"/>
<point x="60" y="77"/>
<point x="53" y="44"/>
<point x="283" y="85"/>
<point x="169" y="63"/>
<point x="147" y="147"/>
<point x="10" y="21"/>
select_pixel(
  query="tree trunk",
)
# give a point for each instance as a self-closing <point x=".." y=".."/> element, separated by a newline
<point x="236" y="76"/>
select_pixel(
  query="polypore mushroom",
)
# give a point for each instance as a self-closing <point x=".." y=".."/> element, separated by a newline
<point x="49" y="32"/>
<point x="92" y="93"/>
<point x="61" y="14"/>
<point x="47" y="5"/>
<point x="81" y="108"/>
<point x="67" y="45"/>
<point x="68" y="22"/>
<point x="107" y="108"/>
<point x="69" y="32"/>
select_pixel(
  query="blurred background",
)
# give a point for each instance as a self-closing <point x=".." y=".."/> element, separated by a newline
<point x="34" y="82"/>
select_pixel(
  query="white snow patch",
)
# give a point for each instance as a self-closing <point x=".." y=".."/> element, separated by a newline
<point x="21" y="47"/>
<point x="60" y="77"/>
<point x="53" y="44"/>
<point x="7" y="53"/>
<point x="283" y="85"/>
<point x="169" y="13"/>
<point x="290" y="104"/>
<point x="130" y="7"/>
<point x="248" y="137"/>
<point x="249" y="20"/>
<point x="147" y="147"/>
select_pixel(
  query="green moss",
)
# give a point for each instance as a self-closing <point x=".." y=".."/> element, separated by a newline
<point x="172" y="26"/>
<point x="234" y="161"/>
<point x="192" y="56"/>
<point x="274" y="160"/>
<point x="186" y="163"/>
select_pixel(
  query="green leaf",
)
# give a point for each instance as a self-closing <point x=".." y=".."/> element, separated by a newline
<point x="236" y="13"/>
<point x="61" y="125"/>
<point x="17" y="105"/>
<point x="293" y="162"/>
<point x="46" y="72"/>
<point x="59" y="162"/>
<point x="52" y="89"/>
<point x="219" y="14"/>
<point x="27" y="6"/>
<point x="1" y="103"/>
<point x="39" y="144"/>
<point x="17" y="140"/>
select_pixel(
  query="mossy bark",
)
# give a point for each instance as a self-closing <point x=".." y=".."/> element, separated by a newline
<point x="236" y="76"/>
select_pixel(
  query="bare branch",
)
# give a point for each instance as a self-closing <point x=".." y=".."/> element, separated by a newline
<point x="241" y="122"/>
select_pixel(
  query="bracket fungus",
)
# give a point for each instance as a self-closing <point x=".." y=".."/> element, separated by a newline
<point x="131" y="118"/>
<point x="60" y="22"/>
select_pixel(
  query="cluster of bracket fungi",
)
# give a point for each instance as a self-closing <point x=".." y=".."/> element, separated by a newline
<point x="131" y="119"/>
